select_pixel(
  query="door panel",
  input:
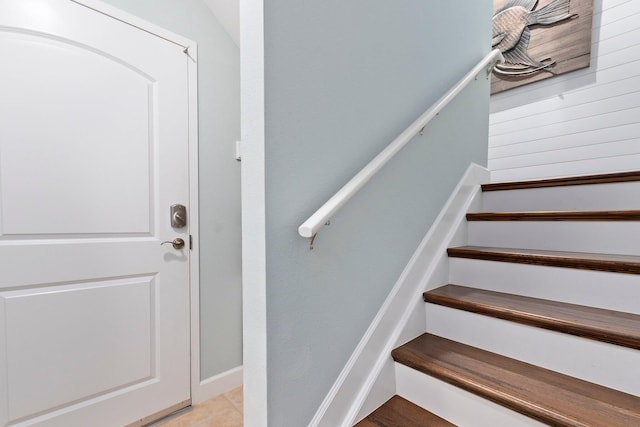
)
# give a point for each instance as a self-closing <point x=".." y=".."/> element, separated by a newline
<point x="78" y="141"/>
<point x="46" y="324"/>
<point x="93" y="152"/>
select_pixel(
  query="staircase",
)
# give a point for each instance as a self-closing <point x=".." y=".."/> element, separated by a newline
<point x="540" y="321"/>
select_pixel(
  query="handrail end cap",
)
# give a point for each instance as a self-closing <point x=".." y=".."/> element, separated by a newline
<point x="305" y="231"/>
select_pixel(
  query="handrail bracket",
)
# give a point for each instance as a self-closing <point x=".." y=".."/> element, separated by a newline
<point x="499" y="59"/>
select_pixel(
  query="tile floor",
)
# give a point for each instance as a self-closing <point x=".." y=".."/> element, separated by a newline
<point x="221" y="411"/>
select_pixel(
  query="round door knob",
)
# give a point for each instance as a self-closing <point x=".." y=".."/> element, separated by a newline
<point x="177" y="243"/>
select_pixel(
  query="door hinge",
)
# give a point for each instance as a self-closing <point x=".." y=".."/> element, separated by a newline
<point x="239" y="151"/>
<point x="190" y="242"/>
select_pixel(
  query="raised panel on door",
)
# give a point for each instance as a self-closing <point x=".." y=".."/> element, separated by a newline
<point x="93" y="151"/>
<point x="76" y="141"/>
<point x="73" y="329"/>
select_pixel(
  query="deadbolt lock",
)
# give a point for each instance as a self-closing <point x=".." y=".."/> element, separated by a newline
<point x="178" y="216"/>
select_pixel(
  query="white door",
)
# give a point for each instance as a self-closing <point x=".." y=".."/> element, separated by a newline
<point x="94" y="312"/>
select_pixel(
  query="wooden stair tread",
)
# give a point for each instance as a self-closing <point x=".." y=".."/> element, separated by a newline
<point x="627" y="215"/>
<point x="399" y="412"/>
<point x="588" y="322"/>
<point x="629" y="264"/>
<point x="550" y="397"/>
<point x="560" y="182"/>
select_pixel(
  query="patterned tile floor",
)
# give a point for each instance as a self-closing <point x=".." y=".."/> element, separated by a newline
<point x="221" y="411"/>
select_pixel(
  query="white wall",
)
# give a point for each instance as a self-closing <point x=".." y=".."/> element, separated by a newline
<point x="228" y="13"/>
<point x="219" y="128"/>
<point x="326" y="86"/>
<point x="584" y="122"/>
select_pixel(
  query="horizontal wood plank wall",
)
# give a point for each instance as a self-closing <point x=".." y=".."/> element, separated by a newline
<point x="583" y="122"/>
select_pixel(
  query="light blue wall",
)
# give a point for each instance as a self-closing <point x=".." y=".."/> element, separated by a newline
<point x="219" y="128"/>
<point x="342" y="79"/>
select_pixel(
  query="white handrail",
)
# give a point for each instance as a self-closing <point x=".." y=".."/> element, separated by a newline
<point x="311" y="226"/>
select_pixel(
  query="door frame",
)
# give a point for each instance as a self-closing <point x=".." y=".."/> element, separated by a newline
<point x="191" y="50"/>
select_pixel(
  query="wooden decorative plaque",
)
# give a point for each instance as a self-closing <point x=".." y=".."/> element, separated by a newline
<point x="540" y="39"/>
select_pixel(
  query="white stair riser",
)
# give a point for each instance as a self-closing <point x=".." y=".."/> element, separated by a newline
<point x="602" y="363"/>
<point x="598" y="236"/>
<point x="614" y="291"/>
<point x="460" y="407"/>
<point x="617" y="196"/>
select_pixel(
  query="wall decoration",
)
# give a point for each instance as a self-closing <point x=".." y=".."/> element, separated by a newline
<point x="540" y="39"/>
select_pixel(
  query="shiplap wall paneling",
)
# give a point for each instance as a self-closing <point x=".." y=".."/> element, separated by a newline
<point x="584" y="122"/>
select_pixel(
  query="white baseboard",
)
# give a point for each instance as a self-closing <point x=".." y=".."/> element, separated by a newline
<point x="216" y="385"/>
<point x="351" y="391"/>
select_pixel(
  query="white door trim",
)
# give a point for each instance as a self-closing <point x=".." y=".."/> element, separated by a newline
<point x="197" y="394"/>
<point x="139" y="23"/>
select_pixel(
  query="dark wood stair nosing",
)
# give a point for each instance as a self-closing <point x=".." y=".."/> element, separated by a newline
<point x="621" y="215"/>
<point x="626" y="264"/>
<point x="566" y="181"/>
<point x="550" y="397"/>
<point x="618" y="328"/>
<point x="400" y="412"/>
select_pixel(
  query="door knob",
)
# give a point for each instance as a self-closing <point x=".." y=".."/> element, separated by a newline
<point x="177" y="243"/>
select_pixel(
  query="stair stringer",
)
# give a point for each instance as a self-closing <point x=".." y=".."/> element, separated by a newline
<point x="368" y="378"/>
